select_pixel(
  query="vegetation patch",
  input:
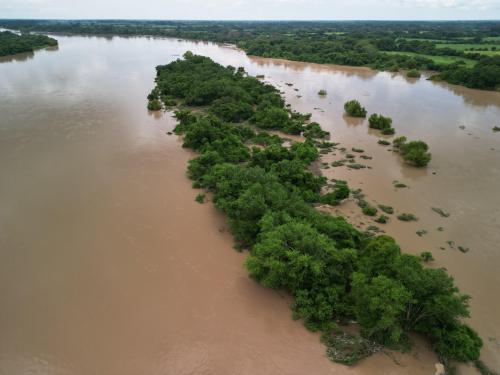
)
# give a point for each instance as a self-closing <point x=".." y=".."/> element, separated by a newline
<point x="332" y="270"/>
<point x="421" y="232"/>
<point x="426" y="256"/>
<point x="200" y="198"/>
<point x="386" y="209"/>
<point x="11" y="43"/>
<point x="379" y="122"/>
<point x="440" y="211"/>
<point x="414" y="152"/>
<point x="413" y="73"/>
<point x="354" y="109"/>
<point x="407" y="217"/>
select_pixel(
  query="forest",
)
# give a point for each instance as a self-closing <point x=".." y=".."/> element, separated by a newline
<point x="465" y="53"/>
<point x="265" y="186"/>
<point x="11" y="43"/>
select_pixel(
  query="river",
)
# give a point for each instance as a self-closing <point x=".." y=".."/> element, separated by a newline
<point x="109" y="266"/>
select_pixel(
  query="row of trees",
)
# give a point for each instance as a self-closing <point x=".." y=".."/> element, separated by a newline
<point x="11" y="43"/>
<point x="333" y="271"/>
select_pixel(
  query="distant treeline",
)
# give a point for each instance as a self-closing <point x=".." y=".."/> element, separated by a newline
<point x="11" y="43"/>
<point x="384" y="45"/>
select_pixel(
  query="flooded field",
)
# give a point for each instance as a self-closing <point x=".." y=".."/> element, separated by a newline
<point x="109" y="266"/>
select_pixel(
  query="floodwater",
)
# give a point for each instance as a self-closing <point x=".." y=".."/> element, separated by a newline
<point x="109" y="266"/>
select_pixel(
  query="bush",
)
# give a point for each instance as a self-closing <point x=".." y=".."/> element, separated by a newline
<point x="340" y="192"/>
<point x="414" y="152"/>
<point x="353" y="108"/>
<point x="413" y="73"/>
<point x="426" y="256"/>
<point x="369" y="210"/>
<point x="154" y="105"/>
<point x="313" y="130"/>
<point x="458" y="342"/>
<point x="322" y="92"/>
<point x="382" y="219"/>
<point x="407" y="217"/>
<point x="382" y="123"/>
<point x="200" y="198"/>
<point x="387" y="209"/>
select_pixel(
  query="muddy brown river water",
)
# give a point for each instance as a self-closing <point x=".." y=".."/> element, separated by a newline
<point x="109" y="266"/>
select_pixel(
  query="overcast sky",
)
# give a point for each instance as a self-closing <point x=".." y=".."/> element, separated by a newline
<point x="252" y="9"/>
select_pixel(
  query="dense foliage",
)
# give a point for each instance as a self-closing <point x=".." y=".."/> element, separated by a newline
<point x="387" y="45"/>
<point x="333" y="271"/>
<point x="11" y="43"/>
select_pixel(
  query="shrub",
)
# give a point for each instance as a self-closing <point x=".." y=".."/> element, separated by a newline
<point x="397" y="142"/>
<point x="414" y="152"/>
<point x="379" y="122"/>
<point x="322" y="92"/>
<point x="387" y="209"/>
<point x="200" y="198"/>
<point x="426" y="256"/>
<point x="383" y="142"/>
<point x="382" y="219"/>
<point x="353" y="108"/>
<point x="407" y="217"/>
<point x="313" y="130"/>
<point x="440" y="211"/>
<point x="154" y="105"/>
<point x="413" y="73"/>
<point x="369" y="210"/>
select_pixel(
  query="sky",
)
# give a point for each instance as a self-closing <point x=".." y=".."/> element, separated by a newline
<point x="253" y="9"/>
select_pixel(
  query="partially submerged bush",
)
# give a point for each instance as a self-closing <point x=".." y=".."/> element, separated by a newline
<point x="313" y="130"/>
<point x="414" y="152"/>
<point x="383" y="142"/>
<point x="413" y="73"/>
<point x="339" y="193"/>
<point x="381" y="123"/>
<point x="426" y="256"/>
<point x="387" y="209"/>
<point x="407" y="217"/>
<point x="369" y="210"/>
<point x="440" y="211"/>
<point x="353" y="108"/>
<point x="154" y="105"/>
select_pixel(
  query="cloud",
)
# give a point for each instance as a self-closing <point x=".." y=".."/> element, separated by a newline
<point x="252" y="9"/>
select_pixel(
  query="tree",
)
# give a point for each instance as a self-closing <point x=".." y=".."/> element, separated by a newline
<point x="380" y="305"/>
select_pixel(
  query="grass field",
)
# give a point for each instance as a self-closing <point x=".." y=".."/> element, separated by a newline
<point x="436" y="59"/>
<point x="466" y="47"/>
